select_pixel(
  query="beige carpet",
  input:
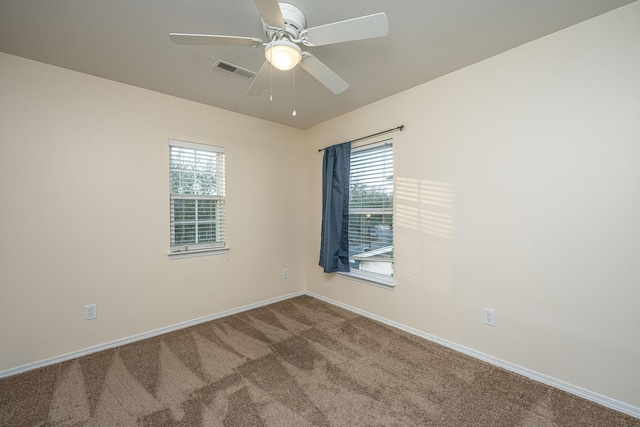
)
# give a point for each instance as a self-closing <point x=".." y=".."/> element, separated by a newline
<point x="300" y="362"/>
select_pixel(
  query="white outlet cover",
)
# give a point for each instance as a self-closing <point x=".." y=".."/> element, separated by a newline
<point x="489" y="317"/>
<point x="90" y="311"/>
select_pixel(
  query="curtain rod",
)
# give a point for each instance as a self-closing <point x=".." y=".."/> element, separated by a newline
<point x="399" y="128"/>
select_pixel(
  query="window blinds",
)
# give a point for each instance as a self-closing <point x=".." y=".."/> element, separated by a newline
<point x="197" y="196"/>
<point x="371" y="202"/>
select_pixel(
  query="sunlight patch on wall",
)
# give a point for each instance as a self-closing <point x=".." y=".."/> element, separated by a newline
<point x="424" y="229"/>
<point x="424" y="205"/>
<point x="408" y="267"/>
<point x="436" y="203"/>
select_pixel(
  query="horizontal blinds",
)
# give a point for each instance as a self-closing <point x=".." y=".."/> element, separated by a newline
<point x="371" y="202"/>
<point x="196" y="172"/>
<point x="196" y="146"/>
<point x="197" y="196"/>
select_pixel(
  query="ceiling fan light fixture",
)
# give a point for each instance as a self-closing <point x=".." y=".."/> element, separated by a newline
<point x="283" y="54"/>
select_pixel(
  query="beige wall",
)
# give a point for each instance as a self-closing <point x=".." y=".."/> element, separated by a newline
<point x="85" y="209"/>
<point x="517" y="189"/>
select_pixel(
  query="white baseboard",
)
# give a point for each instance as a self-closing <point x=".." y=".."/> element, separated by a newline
<point x="570" y="388"/>
<point x="142" y="336"/>
<point x="545" y="379"/>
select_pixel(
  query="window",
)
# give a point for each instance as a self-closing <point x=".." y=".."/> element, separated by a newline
<point x="371" y="210"/>
<point x="197" y="197"/>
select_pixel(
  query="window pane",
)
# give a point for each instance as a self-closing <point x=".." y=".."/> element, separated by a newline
<point x="369" y="232"/>
<point x="204" y="183"/>
<point x="174" y="181"/>
<point x="206" y="210"/>
<point x="371" y="210"/>
<point x="187" y="183"/>
<point x="185" y="234"/>
<point x="193" y="171"/>
<point x="206" y="233"/>
<point x="184" y="210"/>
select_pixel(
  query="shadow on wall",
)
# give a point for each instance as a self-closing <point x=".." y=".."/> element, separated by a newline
<point x="424" y="229"/>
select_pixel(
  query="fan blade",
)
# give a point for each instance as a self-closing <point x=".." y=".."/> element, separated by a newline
<point x="270" y="12"/>
<point x="323" y="74"/>
<point x="365" y="27"/>
<point x="211" y="40"/>
<point x="260" y="81"/>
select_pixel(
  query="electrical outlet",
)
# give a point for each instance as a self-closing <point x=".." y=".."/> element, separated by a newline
<point x="90" y="311"/>
<point x="285" y="273"/>
<point x="489" y="317"/>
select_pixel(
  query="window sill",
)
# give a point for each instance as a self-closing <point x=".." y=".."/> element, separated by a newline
<point x="197" y="253"/>
<point x="379" y="281"/>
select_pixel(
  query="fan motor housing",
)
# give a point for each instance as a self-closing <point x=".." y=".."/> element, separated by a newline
<point x="294" y="22"/>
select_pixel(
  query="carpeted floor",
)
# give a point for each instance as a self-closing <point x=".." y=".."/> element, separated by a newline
<point x="300" y="362"/>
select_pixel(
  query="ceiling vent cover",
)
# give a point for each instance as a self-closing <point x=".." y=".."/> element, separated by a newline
<point x="234" y="69"/>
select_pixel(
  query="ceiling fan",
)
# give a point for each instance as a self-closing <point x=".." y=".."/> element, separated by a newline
<point x="285" y="27"/>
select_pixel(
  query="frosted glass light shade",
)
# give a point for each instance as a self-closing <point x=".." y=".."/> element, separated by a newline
<point x="283" y="54"/>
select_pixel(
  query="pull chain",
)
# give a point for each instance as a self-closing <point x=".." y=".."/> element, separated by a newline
<point x="294" y="92"/>
<point x="270" y="77"/>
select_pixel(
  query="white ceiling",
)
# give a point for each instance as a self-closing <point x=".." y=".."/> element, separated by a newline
<point x="128" y="41"/>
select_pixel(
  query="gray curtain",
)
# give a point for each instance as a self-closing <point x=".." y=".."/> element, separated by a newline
<point x="334" y="241"/>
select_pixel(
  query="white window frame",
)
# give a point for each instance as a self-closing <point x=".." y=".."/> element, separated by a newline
<point x="381" y="280"/>
<point x="196" y="248"/>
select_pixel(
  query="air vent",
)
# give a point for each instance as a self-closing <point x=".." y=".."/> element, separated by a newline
<point x="234" y="69"/>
